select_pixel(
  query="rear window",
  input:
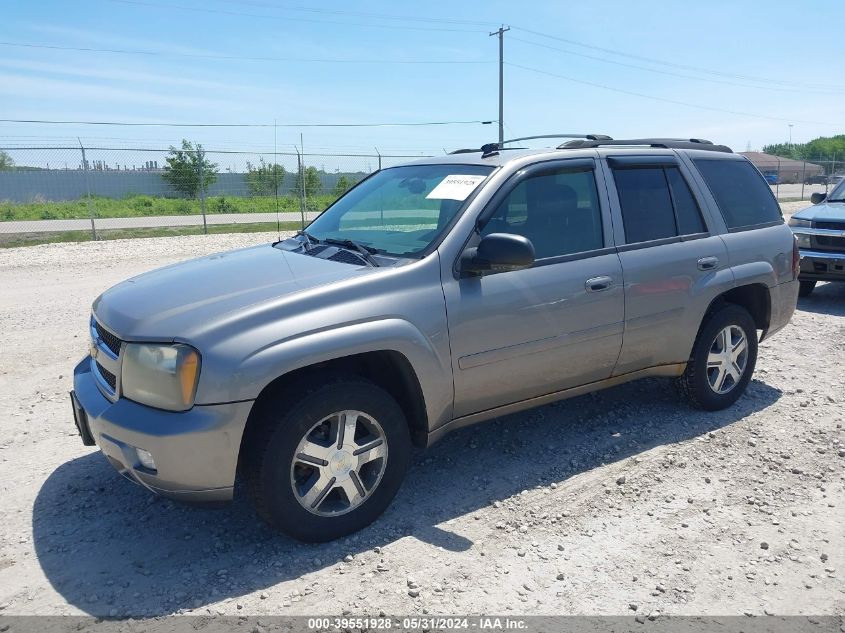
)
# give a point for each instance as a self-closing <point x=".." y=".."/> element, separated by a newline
<point x="744" y="198"/>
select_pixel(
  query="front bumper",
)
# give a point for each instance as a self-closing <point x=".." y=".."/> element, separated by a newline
<point x="195" y="451"/>
<point x="822" y="266"/>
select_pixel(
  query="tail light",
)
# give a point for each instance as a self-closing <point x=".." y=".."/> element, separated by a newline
<point x="796" y="258"/>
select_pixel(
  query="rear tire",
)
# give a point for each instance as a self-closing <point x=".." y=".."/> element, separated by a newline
<point x="805" y="288"/>
<point x="723" y="359"/>
<point x="301" y="449"/>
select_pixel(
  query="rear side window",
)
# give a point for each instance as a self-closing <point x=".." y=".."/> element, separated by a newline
<point x="656" y="203"/>
<point x="743" y="196"/>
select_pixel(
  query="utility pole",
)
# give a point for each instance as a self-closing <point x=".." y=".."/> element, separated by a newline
<point x="501" y="34"/>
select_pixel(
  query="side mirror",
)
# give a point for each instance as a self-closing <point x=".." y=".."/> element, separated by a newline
<point x="817" y="198"/>
<point x="498" y="252"/>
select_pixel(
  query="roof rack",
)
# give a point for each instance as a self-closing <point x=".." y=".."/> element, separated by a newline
<point x="490" y="148"/>
<point x="668" y="143"/>
<point x="589" y="137"/>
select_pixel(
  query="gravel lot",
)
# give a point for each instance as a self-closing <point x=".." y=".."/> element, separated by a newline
<point x="611" y="503"/>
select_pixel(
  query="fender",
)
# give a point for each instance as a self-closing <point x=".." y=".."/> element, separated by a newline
<point x="394" y="334"/>
<point x="759" y="272"/>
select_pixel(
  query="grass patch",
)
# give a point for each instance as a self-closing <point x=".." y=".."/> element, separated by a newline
<point x="32" y="239"/>
<point x="143" y="205"/>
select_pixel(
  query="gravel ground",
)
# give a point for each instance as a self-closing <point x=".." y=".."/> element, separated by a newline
<point x="618" y="502"/>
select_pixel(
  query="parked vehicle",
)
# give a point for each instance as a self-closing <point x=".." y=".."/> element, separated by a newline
<point x="820" y="231"/>
<point x="818" y="179"/>
<point x="771" y="177"/>
<point x="431" y="296"/>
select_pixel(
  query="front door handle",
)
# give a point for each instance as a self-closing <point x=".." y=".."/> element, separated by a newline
<point x="708" y="263"/>
<point x="597" y="284"/>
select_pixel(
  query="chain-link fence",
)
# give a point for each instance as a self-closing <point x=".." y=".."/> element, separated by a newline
<point x="46" y="193"/>
<point x="77" y="193"/>
<point x="794" y="180"/>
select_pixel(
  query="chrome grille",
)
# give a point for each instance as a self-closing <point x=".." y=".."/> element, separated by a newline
<point x="110" y="378"/>
<point x="829" y="243"/>
<point x="108" y="339"/>
<point x="105" y="359"/>
<point x="830" y="226"/>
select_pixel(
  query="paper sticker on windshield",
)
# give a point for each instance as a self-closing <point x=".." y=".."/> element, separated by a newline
<point x="455" y="187"/>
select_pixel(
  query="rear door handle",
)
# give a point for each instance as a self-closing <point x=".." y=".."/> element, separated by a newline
<point x="597" y="284"/>
<point x="708" y="263"/>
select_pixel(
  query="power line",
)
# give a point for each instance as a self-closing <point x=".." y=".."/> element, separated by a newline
<point x="360" y="14"/>
<point x="665" y="63"/>
<point x="236" y="57"/>
<point x="664" y="100"/>
<point x="264" y="16"/>
<point x="244" y="125"/>
<point x="670" y="73"/>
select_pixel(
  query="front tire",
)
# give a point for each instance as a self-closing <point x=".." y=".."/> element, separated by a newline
<point x="329" y="461"/>
<point x="805" y="288"/>
<point x="723" y="359"/>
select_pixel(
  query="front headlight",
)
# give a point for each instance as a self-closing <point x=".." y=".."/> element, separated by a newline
<point x="163" y="376"/>
<point x="804" y="224"/>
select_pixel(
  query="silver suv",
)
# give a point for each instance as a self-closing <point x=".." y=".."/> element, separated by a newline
<point x="431" y="296"/>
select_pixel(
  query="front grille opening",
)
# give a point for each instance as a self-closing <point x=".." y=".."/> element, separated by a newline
<point x="110" y="378"/>
<point x="830" y="243"/>
<point x="832" y="226"/>
<point x="110" y="340"/>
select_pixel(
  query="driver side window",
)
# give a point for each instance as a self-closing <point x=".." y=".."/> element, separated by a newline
<point x="558" y="211"/>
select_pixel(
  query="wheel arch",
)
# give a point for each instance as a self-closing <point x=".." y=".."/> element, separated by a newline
<point x="753" y="297"/>
<point x="389" y="369"/>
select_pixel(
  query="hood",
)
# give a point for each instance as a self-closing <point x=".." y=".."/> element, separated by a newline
<point x="169" y="302"/>
<point x="826" y="211"/>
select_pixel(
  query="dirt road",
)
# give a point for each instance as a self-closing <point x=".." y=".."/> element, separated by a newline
<point x="612" y="503"/>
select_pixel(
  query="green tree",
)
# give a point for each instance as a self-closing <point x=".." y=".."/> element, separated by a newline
<point x="6" y="162"/>
<point x="786" y="150"/>
<point x="183" y="168"/>
<point x="313" y="182"/>
<point x="264" y="179"/>
<point x="341" y="186"/>
<point x="823" y="148"/>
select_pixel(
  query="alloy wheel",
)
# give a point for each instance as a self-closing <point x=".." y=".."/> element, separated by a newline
<point x="339" y="463"/>
<point x="727" y="359"/>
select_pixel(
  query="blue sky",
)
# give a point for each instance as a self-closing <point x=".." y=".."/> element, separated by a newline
<point x="774" y="61"/>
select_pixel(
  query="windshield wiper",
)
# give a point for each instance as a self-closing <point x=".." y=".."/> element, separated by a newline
<point x="310" y="240"/>
<point x="352" y="245"/>
<point x="835" y="200"/>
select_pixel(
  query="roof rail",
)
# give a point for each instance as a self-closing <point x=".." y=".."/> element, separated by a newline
<point x="491" y="147"/>
<point x="590" y="137"/>
<point x="669" y="143"/>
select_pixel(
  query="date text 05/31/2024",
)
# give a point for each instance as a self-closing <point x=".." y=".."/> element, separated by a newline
<point x="481" y="623"/>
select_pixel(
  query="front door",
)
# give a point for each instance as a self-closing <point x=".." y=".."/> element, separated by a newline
<point x="521" y="334"/>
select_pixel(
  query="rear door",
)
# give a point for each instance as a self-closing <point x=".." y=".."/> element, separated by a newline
<point x="526" y="333"/>
<point x="673" y="262"/>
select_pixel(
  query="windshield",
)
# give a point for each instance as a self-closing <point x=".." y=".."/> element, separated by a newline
<point x="838" y="193"/>
<point x="402" y="210"/>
